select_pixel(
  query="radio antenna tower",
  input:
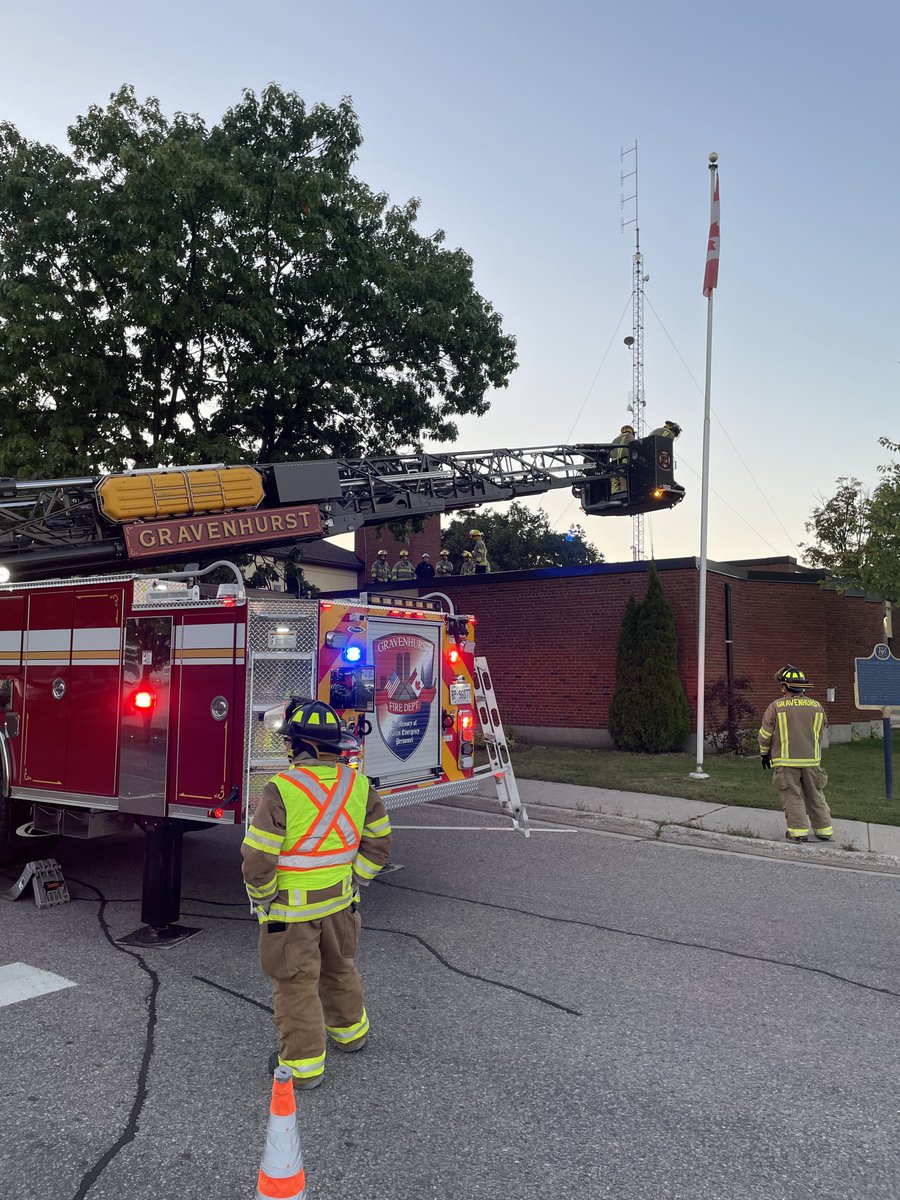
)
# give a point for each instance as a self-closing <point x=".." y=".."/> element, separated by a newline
<point x="636" y="341"/>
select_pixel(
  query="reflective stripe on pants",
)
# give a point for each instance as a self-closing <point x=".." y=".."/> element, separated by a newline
<point x="315" y="984"/>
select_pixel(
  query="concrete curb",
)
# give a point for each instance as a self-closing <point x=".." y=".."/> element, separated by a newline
<point x="680" y="834"/>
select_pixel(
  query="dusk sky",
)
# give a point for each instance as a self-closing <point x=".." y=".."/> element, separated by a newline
<point x="507" y="120"/>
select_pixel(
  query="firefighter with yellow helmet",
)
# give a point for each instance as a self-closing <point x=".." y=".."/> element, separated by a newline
<point x="790" y="743"/>
<point x="444" y="566"/>
<point x="319" y="833"/>
<point x="479" y="552"/>
<point x="381" y="568"/>
<point x="468" y="566"/>
<point x="619" y="483"/>
<point x="403" y="568"/>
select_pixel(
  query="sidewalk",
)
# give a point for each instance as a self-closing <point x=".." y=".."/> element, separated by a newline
<point x="756" y="831"/>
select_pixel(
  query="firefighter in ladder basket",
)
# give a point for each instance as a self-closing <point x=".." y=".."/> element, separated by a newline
<point x="319" y="833"/>
<point x="618" y="486"/>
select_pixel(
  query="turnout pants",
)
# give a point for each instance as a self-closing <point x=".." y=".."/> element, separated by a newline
<point x="317" y="987"/>
<point x="802" y="791"/>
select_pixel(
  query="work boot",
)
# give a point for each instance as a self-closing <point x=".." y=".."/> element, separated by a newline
<point x="823" y="835"/>
<point x="302" y="1085"/>
<point x="798" y="838"/>
<point x="350" y="1047"/>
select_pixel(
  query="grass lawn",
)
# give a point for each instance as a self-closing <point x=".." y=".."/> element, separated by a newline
<point x="855" y="776"/>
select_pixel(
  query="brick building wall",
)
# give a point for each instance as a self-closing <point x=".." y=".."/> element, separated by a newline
<point x="550" y="638"/>
<point x="370" y="539"/>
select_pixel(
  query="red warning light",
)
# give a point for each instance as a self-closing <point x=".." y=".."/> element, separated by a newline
<point x="218" y="813"/>
<point x="229" y="601"/>
<point x="453" y="654"/>
<point x="466" y="719"/>
<point x="144" y="699"/>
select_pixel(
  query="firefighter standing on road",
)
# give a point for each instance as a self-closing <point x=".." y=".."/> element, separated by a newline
<point x="790" y="742"/>
<point x="468" y="566"/>
<point x="319" y="833"/>
<point x="479" y="552"/>
<point x="671" y="429"/>
<point x="424" y="569"/>
<point x="403" y="568"/>
<point x="381" y="568"/>
<point x="444" y="566"/>
<point x="619" y="483"/>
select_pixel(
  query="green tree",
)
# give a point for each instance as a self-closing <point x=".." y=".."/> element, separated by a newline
<point x="857" y="533"/>
<point x="649" y="712"/>
<point x="177" y="292"/>
<point x="519" y="539"/>
<point x="625" y="707"/>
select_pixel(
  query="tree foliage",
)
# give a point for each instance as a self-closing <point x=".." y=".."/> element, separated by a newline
<point x="857" y="533"/>
<point x="177" y="292"/>
<point x="519" y="539"/>
<point x="649" y="711"/>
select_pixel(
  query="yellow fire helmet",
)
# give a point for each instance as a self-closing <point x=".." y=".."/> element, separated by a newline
<point x="445" y="554"/>
<point x="627" y="429"/>
<point x="475" y="533"/>
<point x="467" y="554"/>
<point x="404" y="554"/>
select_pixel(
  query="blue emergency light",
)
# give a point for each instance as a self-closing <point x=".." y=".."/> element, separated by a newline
<point x="352" y="654"/>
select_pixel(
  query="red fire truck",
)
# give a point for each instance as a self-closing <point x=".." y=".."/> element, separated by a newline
<point x="131" y="697"/>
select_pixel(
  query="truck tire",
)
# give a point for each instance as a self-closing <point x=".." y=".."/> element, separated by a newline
<point x="16" y="840"/>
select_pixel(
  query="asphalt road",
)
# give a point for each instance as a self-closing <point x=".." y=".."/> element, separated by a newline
<point x="576" y="1016"/>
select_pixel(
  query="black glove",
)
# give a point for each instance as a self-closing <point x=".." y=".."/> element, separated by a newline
<point x="766" y="760"/>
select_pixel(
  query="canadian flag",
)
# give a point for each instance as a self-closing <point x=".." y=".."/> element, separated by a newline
<point x="415" y="683"/>
<point x="711" y="275"/>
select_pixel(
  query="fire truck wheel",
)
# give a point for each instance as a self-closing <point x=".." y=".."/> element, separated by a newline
<point x="17" y="839"/>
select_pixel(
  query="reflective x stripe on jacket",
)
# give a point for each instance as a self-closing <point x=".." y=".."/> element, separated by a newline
<point x="303" y="877"/>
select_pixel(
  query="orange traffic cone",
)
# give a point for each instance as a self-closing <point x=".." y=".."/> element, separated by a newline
<point x="281" y="1171"/>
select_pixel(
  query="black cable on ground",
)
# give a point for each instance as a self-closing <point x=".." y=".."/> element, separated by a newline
<point x="130" y="1131"/>
<point x="649" y="937"/>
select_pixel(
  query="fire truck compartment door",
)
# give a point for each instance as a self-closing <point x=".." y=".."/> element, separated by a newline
<point x="405" y="742"/>
<point x="144" y="744"/>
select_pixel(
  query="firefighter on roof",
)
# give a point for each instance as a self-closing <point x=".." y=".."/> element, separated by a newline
<point x="319" y="833"/>
<point x="468" y="566"/>
<point x="381" y="568"/>
<point x="790" y="742"/>
<point x="619" y="483"/>
<point x="424" y="569"/>
<point x="479" y="552"/>
<point x="671" y="429"/>
<point x="444" y="566"/>
<point x="403" y="568"/>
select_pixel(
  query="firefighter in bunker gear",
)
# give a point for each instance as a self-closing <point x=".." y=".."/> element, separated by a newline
<point x="671" y="429"/>
<point x="479" y="552"/>
<point x="424" y="569"/>
<point x="468" y="566"/>
<point x="381" y="568"/>
<point x="444" y="566"/>
<point x="790" y="746"/>
<point x="403" y="568"/>
<point x="619" y="483"/>
<point x="319" y="833"/>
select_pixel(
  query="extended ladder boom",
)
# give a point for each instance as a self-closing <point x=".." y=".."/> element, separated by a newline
<point x="58" y="526"/>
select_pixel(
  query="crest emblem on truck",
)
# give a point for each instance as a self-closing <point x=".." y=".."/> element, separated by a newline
<point x="405" y="668"/>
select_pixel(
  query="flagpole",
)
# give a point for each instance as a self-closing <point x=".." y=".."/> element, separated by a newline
<point x="709" y="284"/>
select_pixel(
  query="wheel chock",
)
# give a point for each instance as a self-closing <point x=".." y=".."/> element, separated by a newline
<point x="47" y="882"/>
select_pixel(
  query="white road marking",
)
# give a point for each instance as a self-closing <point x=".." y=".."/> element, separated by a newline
<point x="18" y="982"/>
<point x="480" y="828"/>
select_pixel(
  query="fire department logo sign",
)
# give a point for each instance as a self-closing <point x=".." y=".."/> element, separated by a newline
<point x="405" y="691"/>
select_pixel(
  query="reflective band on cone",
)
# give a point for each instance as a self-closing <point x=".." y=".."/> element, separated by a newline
<point x="281" y="1174"/>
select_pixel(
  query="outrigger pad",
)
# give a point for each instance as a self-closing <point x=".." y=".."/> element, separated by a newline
<point x="47" y="881"/>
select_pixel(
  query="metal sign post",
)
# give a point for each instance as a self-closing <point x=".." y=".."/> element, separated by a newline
<point x="876" y="684"/>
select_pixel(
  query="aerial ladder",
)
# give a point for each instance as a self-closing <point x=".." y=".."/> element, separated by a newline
<point x="58" y="527"/>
